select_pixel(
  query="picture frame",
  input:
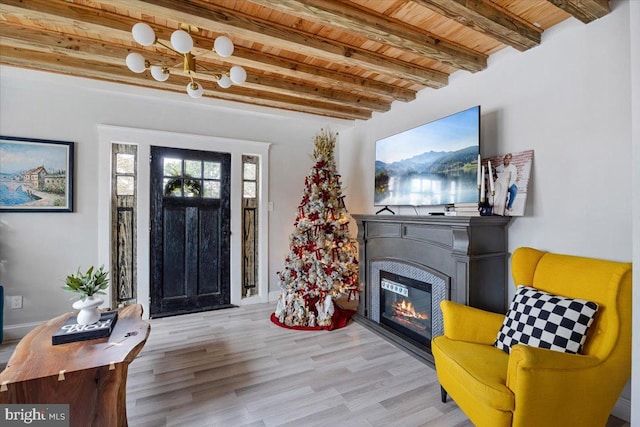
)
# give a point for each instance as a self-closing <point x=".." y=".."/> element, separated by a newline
<point x="36" y="175"/>
<point x="511" y="174"/>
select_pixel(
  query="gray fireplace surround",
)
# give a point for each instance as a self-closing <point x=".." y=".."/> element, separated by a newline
<point x="463" y="258"/>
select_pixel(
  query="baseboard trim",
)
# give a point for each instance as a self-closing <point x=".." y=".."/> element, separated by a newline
<point x="274" y="295"/>
<point x="19" y="331"/>
<point x="255" y="299"/>
<point x="622" y="409"/>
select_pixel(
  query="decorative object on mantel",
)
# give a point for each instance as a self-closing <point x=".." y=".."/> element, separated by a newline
<point x="507" y="177"/>
<point x="88" y="285"/>
<point x="322" y="264"/>
<point x="181" y="44"/>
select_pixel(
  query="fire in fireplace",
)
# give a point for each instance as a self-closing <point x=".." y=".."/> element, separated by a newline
<point x="405" y="307"/>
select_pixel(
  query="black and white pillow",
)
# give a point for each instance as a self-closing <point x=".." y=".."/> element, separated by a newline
<point x="540" y="319"/>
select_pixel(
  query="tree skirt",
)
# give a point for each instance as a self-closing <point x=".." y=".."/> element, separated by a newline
<point x="339" y="320"/>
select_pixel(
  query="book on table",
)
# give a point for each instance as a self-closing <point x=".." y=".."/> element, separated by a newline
<point x="71" y="331"/>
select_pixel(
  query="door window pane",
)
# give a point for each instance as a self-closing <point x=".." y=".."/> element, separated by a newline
<point x="172" y="167"/>
<point x="173" y="187"/>
<point x="212" y="170"/>
<point x="193" y="168"/>
<point x="211" y="189"/>
<point x="192" y="187"/>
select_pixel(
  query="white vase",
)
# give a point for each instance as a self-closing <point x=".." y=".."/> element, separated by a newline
<point x="89" y="312"/>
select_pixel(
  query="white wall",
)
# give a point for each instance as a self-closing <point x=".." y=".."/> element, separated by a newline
<point x="635" y="137"/>
<point x="569" y="100"/>
<point x="40" y="249"/>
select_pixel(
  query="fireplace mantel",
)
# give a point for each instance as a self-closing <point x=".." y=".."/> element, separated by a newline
<point x="469" y="252"/>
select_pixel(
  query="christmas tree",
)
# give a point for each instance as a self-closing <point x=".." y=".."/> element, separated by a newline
<point x="322" y="264"/>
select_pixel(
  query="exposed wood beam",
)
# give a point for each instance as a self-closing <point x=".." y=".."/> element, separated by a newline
<point x="113" y="73"/>
<point x="77" y="47"/>
<point x="218" y="19"/>
<point x="380" y="29"/>
<point x="102" y="23"/>
<point x="490" y="19"/>
<point x="584" y="10"/>
<point x="335" y="58"/>
<point x="299" y="70"/>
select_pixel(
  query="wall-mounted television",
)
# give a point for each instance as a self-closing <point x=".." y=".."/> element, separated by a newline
<point x="432" y="164"/>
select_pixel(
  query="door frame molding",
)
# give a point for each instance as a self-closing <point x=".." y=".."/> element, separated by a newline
<point x="144" y="138"/>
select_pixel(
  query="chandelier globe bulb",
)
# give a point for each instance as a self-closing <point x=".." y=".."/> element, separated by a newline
<point x="224" y="82"/>
<point x="238" y="75"/>
<point x="223" y="46"/>
<point x="195" y="90"/>
<point x="143" y="34"/>
<point x="135" y="62"/>
<point x="181" y="41"/>
<point x="159" y="73"/>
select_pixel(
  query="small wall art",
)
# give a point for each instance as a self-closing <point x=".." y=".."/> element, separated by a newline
<point x="36" y="175"/>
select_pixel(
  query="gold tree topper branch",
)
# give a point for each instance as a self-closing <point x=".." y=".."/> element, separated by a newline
<point x="325" y="143"/>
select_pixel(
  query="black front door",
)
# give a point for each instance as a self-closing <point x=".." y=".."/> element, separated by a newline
<point x="190" y="227"/>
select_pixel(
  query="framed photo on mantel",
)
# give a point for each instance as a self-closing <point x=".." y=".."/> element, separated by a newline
<point x="511" y="173"/>
<point x="36" y="175"/>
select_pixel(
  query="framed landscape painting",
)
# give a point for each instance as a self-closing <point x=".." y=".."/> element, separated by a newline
<point x="36" y="175"/>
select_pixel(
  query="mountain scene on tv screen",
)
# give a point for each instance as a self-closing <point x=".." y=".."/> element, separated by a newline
<point x="429" y="178"/>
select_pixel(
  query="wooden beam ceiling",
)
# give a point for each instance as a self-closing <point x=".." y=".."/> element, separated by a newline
<point x="341" y="59"/>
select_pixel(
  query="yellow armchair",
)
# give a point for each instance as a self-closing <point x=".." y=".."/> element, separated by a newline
<point x="533" y="386"/>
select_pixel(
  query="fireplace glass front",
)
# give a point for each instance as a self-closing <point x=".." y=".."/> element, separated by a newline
<point x="405" y="307"/>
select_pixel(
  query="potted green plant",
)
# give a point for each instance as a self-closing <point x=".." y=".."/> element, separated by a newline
<point x="88" y="285"/>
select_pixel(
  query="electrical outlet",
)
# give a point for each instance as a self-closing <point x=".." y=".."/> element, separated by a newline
<point x="16" y="301"/>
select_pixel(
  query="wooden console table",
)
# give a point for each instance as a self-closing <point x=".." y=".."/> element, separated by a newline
<point x="90" y="376"/>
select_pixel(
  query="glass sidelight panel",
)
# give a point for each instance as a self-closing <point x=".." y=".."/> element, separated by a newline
<point x="125" y="163"/>
<point x="125" y="186"/>
<point x="123" y="225"/>
<point x="250" y="225"/>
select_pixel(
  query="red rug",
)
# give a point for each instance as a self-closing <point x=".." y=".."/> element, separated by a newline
<point x="339" y="320"/>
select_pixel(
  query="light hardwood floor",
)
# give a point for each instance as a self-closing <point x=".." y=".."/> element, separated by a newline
<point x="233" y="367"/>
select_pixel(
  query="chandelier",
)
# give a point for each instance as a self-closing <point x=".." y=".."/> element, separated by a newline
<point x="182" y="43"/>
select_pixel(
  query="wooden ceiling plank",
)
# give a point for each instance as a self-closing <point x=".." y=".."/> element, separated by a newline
<point x="584" y="10"/>
<point x="299" y="70"/>
<point x="41" y="41"/>
<point x="490" y="19"/>
<point x="235" y="24"/>
<point x="328" y="95"/>
<point x="342" y="59"/>
<point x="62" y="15"/>
<point x="380" y="29"/>
<point x="111" y="73"/>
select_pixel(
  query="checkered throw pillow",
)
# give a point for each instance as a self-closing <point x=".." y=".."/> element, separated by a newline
<point x="539" y="319"/>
